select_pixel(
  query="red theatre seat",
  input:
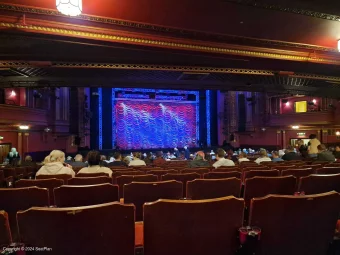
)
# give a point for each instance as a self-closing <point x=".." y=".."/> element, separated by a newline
<point x="5" y="231"/>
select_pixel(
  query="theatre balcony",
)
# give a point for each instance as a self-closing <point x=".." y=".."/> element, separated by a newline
<point x="18" y="114"/>
<point x="307" y="118"/>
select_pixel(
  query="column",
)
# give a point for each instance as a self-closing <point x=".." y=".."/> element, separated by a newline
<point x="278" y="138"/>
<point x="324" y="136"/>
<point x="221" y="117"/>
<point x="19" y="149"/>
<point x="284" y="142"/>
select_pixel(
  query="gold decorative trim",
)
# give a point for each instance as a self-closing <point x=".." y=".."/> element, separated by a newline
<point x="163" y="43"/>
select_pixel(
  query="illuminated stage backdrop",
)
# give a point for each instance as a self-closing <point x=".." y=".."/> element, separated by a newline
<point x="151" y="123"/>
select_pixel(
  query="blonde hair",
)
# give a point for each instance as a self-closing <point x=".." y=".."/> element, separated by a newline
<point x="56" y="156"/>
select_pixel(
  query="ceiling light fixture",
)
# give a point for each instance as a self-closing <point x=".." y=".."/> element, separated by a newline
<point x="24" y="127"/>
<point x="70" y="7"/>
<point x="295" y="127"/>
<point x="337" y="133"/>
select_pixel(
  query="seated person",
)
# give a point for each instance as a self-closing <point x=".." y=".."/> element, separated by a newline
<point x="13" y="157"/>
<point x="324" y="154"/>
<point x="290" y="154"/>
<point x="136" y="161"/>
<point x="28" y="161"/>
<point x="93" y="160"/>
<point x="103" y="161"/>
<point x="78" y="161"/>
<point x="221" y="161"/>
<point x="242" y="157"/>
<point x="263" y="157"/>
<point x="159" y="160"/>
<point x="276" y="156"/>
<point x="148" y="159"/>
<point x="199" y="160"/>
<point x="55" y="164"/>
<point x="337" y="152"/>
<point x="118" y="160"/>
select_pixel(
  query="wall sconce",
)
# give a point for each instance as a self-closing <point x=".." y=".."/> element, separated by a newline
<point x="13" y="94"/>
<point x="337" y="133"/>
<point x="314" y="101"/>
<point x="295" y="127"/>
<point x="24" y="127"/>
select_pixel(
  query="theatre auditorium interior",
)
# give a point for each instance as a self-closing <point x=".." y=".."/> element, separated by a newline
<point x="170" y="127"/>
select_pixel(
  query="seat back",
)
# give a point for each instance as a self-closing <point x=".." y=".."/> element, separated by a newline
<point x="69" y="196"/>
<point x="184" y="178"/>
<point x="198" y="227"/>
<point x="222" y="175"/>
<point x="304" y="224"/>
<point x="253" y="173"/>
<point x="213" y="188"/>
<point x="328" y="170"/>
<point x="139" y="193"/>
<point x="159" y="173"/>
<point x="120" y="173"/>
<point x="89" y="180"/>
<point x="126" y="179"/>
<point x="262" y="186"/>
<point x="91" y="175"/>
<point x="64" y="177"/>
<point x="298" y="173"/>
<point x="314" y="184"/>
<point x="98" y="229"/>
<point x="5" y="230"/>
<point x="49" y="184"/>
<point x="197" y="170"/>
<point x="14" y="199"/>
<point x="226" y="169"/>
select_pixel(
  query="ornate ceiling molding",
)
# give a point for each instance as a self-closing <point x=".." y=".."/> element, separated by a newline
<point x="144" y="40"/>
<point x="275" y="7"/>
<point x="173" y="31"/>
<point x="34" y="64"/>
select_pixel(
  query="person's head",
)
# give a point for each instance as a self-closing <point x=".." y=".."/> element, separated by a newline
<point x="46" y="160"/>
<point x="200" y="155"/>
<point x="137" y="155"/>
<point x="321" y="147"/>
<point x="102" y="157"/>
<point x="185" y="147"/>
<point x="243" y="155"/>
<point x="118" y="156"/>
<point x="93" y="158"/>
<point x="14" y="150"/>
<point x="78" y="158"/>
<point x="127" y="160"/>
<point x="337" y="148"/>
<point x="159" y="154"/>
<point x="275" y="154"/>
<point x="263" y="153"/>
<point x="57" y="156"/>
<point x="290" y="148"/>
<point x="28" y="158"/>
<point x="220" y="153"/>
<point x="175" y="149"/>
<point x="312" y="136"/>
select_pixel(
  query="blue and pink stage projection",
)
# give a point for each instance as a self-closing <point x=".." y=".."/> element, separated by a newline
<point x="163" y="120"/>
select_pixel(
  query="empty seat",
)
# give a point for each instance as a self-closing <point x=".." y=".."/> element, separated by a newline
<point x="314" y="184"/>
<point x="5" y="231"/>
<point x="262" y="186"/>
<point x="252" y="173"/>
<point x="49" y="184"/>
<point x="328" y="170"/>
<point x="5" y="181"/>
<point x="64" y="177"/>
<point x="198" y="227"/>
<point x="184" y="178"/>
<point x="13" y="200"/>
<point x="295" y="225"/>
<point x="213" y="188"/>
<point x="68" y="196"/>
<point x="89" y="180"/>
<point x="139" y="193"/>
<point x="91" y="175"/>
<point x="126" y="179"/>
<point x="99" y="229"/>
<point x="222" y="175"/>
<point x="159" y="173"/>
<point x="298" y="173"/>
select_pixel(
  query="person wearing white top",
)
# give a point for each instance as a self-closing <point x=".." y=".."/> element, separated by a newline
<point x="221" y="161"/>
<point x="242" y="157"/>
<point x="93" y="159"/>
<point x="54" y="165"/>
<point x="263" y="157"/>
<point x="136" y="160"/>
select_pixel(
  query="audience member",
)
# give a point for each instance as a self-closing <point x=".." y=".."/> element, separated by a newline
<point x="276" y="156"/>
<point x="303" y="149"/>
<point x="118" y="160"/>
<point x="186" y="153"/>
<point x="68" y="160"/>
<point x="290" y="154"/>
<point x="313" y="146"/>
<point x="148" y="159"/>
<point x="127" y="160"/>
<point x="263" y="157"/>
<point x="13" y="157"/>
<point x="199" y="160"/>
<point x="221" y="161"/>
<point x="337" y="152"/>
<point x="176" y="152"/>
<point x="324" y="154"/>
<point x="159" y="160"/>
<point x="103" y="161"/>
<point x="93" y="160"/>
<point x="55" y="164"/>
<point x="78" y="161"/>
<point x="136" y="161"/>
<point x="242" y="157"/>
<point x="28" y="161"/>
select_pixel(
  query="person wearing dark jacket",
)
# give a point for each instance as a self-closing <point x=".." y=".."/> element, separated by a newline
<point x="337" y="152"/>
<point x="118" y="160"/>
<point x="290" y="154"/>
<point x="186" y="153"/>
<point x="324" y="154"/>
<point x="199" y="161"/>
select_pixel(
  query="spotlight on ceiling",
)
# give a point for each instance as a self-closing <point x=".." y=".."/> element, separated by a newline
<point x="24" y="127"/>
<point x="70" y="7"/>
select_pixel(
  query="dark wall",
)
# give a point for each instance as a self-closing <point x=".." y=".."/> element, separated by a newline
<point x="213" y="116"/>
<point x="202" y="117"/>
<point x="94" y="130"/>
<point x="107" y="118"/>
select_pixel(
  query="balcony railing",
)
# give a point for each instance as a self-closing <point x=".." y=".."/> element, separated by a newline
<point x="12" y="114"/>
<point x="307" y="118"/>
